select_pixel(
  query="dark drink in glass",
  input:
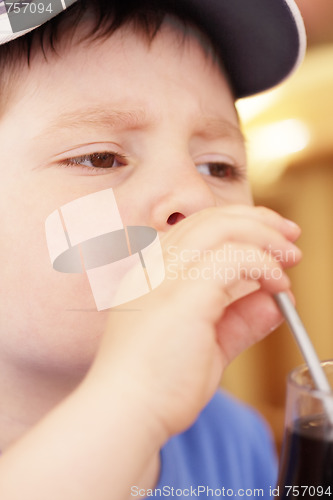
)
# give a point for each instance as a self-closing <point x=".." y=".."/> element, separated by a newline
<point x="306" y="465"/>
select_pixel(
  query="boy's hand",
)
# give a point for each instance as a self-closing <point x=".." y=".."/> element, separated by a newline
<point x="222" y="267"/>
<point x="160" y="360"/>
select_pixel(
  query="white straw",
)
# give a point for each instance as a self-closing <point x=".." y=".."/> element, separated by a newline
<point x="304" y="343"/>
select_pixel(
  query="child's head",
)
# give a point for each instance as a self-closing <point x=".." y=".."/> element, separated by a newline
<point x="149" y="94"/>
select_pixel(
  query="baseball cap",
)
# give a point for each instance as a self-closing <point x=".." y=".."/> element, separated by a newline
<point x="261" y="41"/>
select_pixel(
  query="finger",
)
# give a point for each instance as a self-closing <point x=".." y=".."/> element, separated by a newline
<point x="242" y="262"/>
<point x="213" y="247"/>
<point x="232" y="228"/>
<point x="246" y="322"/>
<point x="215" y="217"/>
<point x="255" y="266"/>
<point x="288" y="228"/>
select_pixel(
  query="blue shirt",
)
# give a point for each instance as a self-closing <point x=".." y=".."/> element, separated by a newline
<point x="227" y="452"/>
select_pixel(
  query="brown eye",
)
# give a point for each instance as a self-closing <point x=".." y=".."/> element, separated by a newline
<point x="97" y="161"/>
<point x="103" y="160"/>
<point x="222" y="170"/>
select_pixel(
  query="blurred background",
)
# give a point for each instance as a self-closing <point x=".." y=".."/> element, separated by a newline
<point x="290" y="146"/>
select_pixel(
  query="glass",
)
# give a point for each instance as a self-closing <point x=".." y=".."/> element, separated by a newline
<point x="306" y="465"/>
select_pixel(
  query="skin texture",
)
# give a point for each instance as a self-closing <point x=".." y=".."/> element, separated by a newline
<point x="167" y="112"/>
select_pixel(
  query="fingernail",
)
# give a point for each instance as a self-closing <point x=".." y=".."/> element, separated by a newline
<point x="281" y="321"/>
<point x="292" y="224"/>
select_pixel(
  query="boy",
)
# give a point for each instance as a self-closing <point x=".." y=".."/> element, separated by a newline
<point x="113" y="404"/>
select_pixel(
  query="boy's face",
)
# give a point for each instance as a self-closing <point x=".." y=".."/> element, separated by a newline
<point x="164" y="117"/>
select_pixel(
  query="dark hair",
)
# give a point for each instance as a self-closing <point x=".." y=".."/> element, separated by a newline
<point x="145" y="16"/>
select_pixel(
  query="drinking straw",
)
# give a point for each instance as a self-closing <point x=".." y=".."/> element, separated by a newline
<point x="304" y="343"/>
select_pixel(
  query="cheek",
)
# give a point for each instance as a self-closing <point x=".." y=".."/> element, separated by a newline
<point x="46" y="317"/>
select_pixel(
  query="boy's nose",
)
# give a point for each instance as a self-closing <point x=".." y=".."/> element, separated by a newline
<point x="174" y="218"/>
<point x="177" y="196"/>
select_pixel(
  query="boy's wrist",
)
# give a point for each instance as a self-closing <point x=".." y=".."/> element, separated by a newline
<point x="119" y="396"/>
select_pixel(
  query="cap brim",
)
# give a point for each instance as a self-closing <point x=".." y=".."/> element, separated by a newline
<point x="260" y="42"/>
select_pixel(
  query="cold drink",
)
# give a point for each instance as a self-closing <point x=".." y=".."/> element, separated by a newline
<point x="306" y="467"/>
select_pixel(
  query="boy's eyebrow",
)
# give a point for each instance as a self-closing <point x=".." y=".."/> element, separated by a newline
<point x="99" y="117"/>
<point x="215" y="127"/>
<point x="209" y="127"/>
